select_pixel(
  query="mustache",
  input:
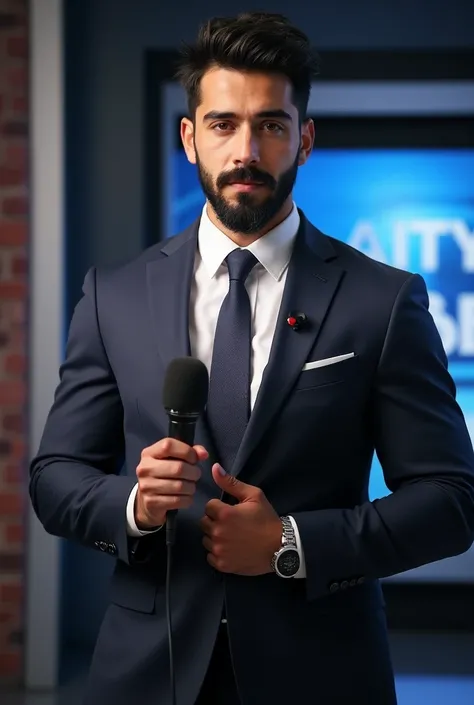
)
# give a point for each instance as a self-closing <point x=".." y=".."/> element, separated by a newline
<point x="243" y="175"/>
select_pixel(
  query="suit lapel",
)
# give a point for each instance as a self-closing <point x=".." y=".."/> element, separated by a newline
<point x="311" y="284"/>
<point x="169" y="280"/>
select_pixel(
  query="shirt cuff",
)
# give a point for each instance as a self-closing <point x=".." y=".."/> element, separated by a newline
<point x="132" y="528"/>
<point x="302" y="569"/>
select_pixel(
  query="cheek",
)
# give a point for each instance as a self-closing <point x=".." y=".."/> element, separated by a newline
<point x="281" y="154"/>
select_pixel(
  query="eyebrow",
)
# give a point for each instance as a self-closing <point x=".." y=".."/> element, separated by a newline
<point x="269" y="114"/>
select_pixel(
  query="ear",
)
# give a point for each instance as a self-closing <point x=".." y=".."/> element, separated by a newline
<point x="307" y="141"/>
<point x="187" y="138"/>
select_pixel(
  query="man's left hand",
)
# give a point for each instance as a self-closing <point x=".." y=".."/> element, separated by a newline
<point x="242" y="538"/>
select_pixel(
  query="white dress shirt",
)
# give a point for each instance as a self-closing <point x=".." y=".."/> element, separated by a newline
<point x="265" y="285"/>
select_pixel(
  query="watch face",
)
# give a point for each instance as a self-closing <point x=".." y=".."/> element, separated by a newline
<point x="288" y="563"/>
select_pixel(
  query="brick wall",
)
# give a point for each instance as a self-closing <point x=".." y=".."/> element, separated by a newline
<point x="13" y="306"/>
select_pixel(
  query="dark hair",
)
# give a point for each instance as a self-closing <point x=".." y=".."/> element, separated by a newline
<point x="253" y="41"/>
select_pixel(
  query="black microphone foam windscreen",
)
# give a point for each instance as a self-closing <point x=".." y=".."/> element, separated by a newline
<point x="186" y="386"/>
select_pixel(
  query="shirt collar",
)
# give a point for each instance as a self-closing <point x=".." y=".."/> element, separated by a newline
<point x="273" y="250"/>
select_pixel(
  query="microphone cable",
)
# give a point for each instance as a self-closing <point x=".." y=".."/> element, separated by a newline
<point x="170" y="538"/>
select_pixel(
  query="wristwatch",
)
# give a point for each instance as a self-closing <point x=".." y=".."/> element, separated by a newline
<point x="286" y="561"/>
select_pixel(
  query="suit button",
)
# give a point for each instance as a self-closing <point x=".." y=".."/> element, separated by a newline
<point x="344" y="585"/>
<point x="353" y="582"/>
<point x="334" y="587"/>
<point x="360" y="580"/>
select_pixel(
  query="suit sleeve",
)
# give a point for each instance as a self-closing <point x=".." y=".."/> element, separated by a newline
<point x="76" y="487"/>
<point x="427" y="458"/>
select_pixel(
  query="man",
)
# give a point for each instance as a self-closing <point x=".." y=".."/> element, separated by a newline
<point x="317" y="357"/>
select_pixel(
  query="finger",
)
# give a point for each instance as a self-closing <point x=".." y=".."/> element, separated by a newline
<point x="168" y="469"/>
<point x="236" y="488"/>
<point x="212" y="561"/>
<point x="217" y="563"/>
<point x="172" y="448"/>
<point x="167" y="487"/>
<point x="207" y="543"/>
<point x="156" y="505"/>
<point x="214" y="508"/>
<point x="206" y="525"/>
<point x="201" y="453"/>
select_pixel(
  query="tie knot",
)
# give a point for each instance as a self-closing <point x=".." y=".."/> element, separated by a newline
<point x="240" y="264"/>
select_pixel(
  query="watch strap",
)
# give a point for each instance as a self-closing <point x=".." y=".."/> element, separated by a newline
<point x="288" y="537"/>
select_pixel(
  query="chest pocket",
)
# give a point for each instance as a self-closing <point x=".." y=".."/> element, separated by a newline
<point x="334" y="373"/>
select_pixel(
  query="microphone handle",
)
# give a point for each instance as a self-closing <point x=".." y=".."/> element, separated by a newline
<point x="183" y="429"/>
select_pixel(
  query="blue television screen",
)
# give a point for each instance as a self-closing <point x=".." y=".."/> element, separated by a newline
<point x="413" y="208"/>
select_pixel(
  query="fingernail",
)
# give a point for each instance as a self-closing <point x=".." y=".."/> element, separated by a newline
<point x="221" y="470"/>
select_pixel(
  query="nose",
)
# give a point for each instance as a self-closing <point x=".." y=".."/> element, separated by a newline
<point x="246" y="148"/>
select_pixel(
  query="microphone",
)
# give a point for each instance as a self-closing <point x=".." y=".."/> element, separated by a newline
<point x="185" y="392"/>
<point x="297" y="320"/>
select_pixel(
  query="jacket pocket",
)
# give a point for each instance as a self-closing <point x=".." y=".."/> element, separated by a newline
<point x="134" y="589"/>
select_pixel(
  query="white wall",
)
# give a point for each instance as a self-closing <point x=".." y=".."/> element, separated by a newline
<point x="46" y="320"/>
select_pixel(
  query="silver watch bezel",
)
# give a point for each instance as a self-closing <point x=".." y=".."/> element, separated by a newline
<point x="278" y="555"/>
<point x="288" y="541"/>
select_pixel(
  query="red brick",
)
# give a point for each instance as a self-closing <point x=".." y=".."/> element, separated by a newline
<point x="15" y="128"/>
<point x="12" y="475"/>
<point x="12" y="290"/>
<point x="13" y="422"/>
<point x="16" y="155"/>
<point x="17" y="339"/>
<point x="11" y="592"/>
<point x="10" y="19"/>
<point x="11" y="504"/>
<point x="12" y="392"/>
<point x="5" y="447"/>
<point x="14" y="313"/>
<point x="10" y="663"/>
<point x="11" y="563"/>
<point x="13" y="234"/>
<point x="11" y="177"/>
<point x="15" y="364"/>
<point x="14" y="533"/>
<point x="20" y="105"/>
<point x="17" y="47"/>
<point x="17" y="78"/>
<point x="15" y="205"/>
<point x="4" y="339"/>
<point x="17" y="449"/>
<point x="19" y="266"/>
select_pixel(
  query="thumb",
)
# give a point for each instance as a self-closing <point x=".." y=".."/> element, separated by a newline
<point x="231" y="484"/>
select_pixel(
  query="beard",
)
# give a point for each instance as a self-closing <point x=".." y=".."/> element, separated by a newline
<point x="250" y="215"/>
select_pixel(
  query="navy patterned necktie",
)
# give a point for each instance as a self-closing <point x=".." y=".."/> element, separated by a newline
<point x="228" y="406"/>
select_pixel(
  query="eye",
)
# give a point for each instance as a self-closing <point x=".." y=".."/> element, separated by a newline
<point x="222" y="126"/>
<point x="273" y="127"/>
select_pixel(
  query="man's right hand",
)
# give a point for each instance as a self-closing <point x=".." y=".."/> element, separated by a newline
<point x="167" y="476"/>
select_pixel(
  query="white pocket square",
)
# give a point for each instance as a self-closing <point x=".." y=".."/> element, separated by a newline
<point x="327" y="361"/>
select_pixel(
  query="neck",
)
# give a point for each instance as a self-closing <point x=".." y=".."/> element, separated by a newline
<point x="243" y="240"/>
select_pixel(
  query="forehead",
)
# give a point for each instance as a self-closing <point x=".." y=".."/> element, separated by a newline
<point x="228" y="90"/>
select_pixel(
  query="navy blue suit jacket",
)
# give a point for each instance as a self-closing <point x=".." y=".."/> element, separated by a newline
<point x="309" y="446"/>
